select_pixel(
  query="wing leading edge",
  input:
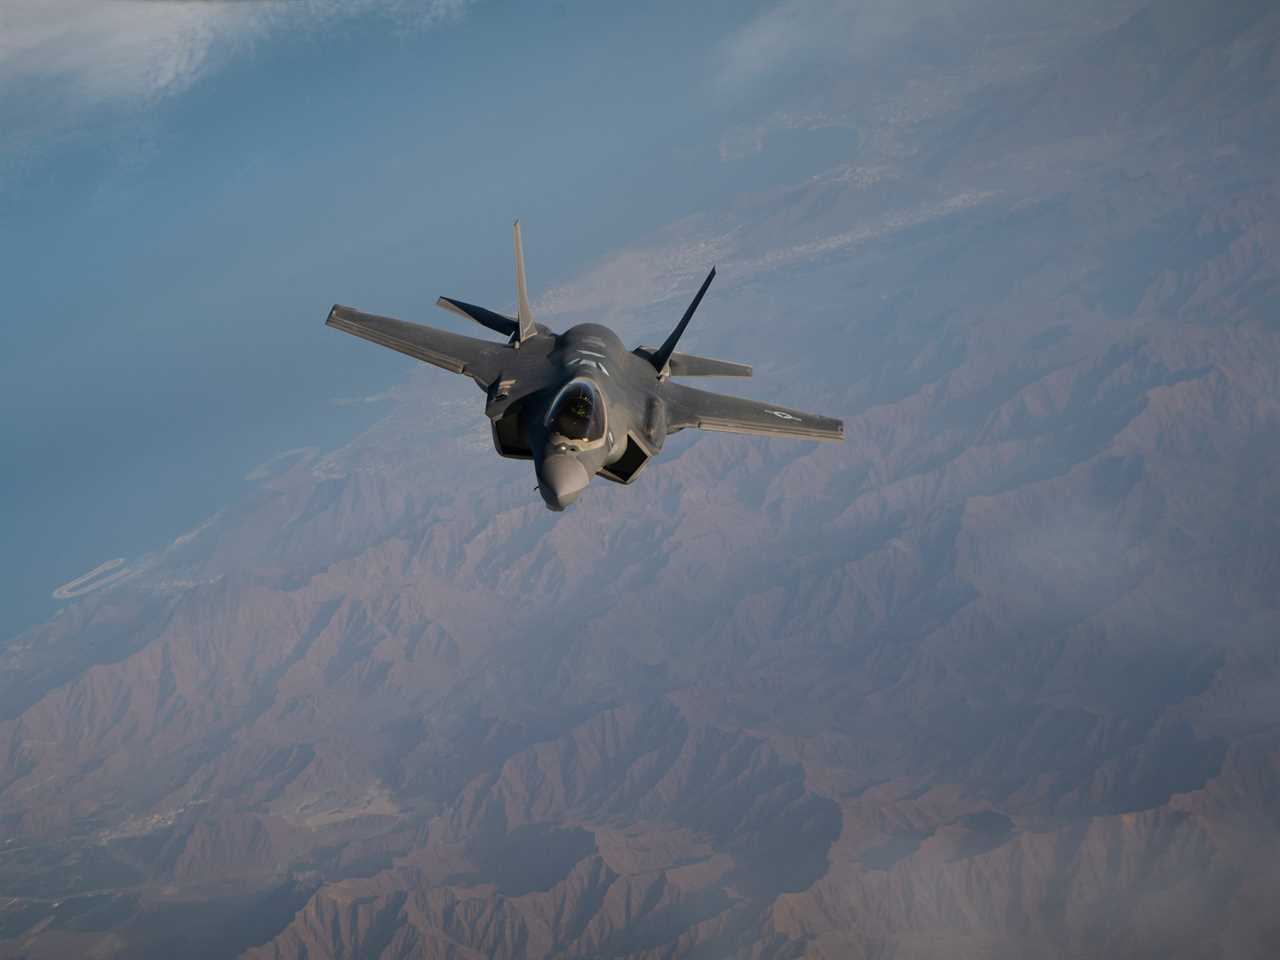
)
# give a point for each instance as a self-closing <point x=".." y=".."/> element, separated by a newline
<point x="478" y="359"/>
<point x="689" y="407"/>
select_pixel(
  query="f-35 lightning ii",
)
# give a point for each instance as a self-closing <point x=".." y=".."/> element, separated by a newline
<point x="579" y="404"/>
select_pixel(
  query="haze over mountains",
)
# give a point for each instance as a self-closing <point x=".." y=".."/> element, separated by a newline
<point x="997" y="677"/>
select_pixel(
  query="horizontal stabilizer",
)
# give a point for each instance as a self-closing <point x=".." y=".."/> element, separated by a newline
<point x="486" y="318"/>
<point x="688" y="365"/>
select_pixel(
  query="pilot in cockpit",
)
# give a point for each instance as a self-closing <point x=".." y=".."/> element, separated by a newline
<point x="578" y="414"/>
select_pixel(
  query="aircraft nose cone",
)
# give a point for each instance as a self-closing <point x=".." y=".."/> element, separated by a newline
<point x="560" y="480"/>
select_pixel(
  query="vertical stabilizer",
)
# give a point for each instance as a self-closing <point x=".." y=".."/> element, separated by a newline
<point x="659" y="359"/>
<point x="524" y="314"/>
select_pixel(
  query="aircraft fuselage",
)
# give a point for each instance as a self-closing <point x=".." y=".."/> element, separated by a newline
<point x="591" y="360"/>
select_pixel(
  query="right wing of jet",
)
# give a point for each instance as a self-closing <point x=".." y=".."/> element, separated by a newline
<point x="481" y="360"/>
<point x="687" y="407"/>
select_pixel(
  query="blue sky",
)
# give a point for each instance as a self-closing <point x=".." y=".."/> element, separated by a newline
<point x="185" y="188"/>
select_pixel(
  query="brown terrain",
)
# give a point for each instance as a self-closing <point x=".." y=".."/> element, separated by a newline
<point x="997" y="677"/>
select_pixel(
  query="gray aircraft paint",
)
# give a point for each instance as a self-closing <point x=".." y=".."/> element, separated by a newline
<point x="638" y="404"/>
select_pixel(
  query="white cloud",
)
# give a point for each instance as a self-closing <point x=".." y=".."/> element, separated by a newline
<point x="805" y="32"/>
<point x="109" y="49"/>
<point x="639" y="278"/>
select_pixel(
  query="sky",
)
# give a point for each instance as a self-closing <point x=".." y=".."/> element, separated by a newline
<point x="187" y="186"/>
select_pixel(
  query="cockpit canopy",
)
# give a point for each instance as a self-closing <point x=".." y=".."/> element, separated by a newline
<point x="578" y="413"/>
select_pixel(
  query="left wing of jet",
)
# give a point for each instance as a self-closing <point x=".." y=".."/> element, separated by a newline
<point x="481" y="360"/>
<point x="688" y="407"/>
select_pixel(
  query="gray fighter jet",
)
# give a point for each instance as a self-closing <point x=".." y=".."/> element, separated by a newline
<point x="579" y="404"/>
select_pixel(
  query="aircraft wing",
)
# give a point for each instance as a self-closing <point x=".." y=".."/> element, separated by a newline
<point x="481" y="360"/>
<point x="688" y="407"/>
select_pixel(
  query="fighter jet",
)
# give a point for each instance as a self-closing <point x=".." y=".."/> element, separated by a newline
<point x="579" y="404"/>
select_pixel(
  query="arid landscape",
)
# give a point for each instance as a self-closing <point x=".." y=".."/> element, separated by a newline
<point x="997" y="677"/>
